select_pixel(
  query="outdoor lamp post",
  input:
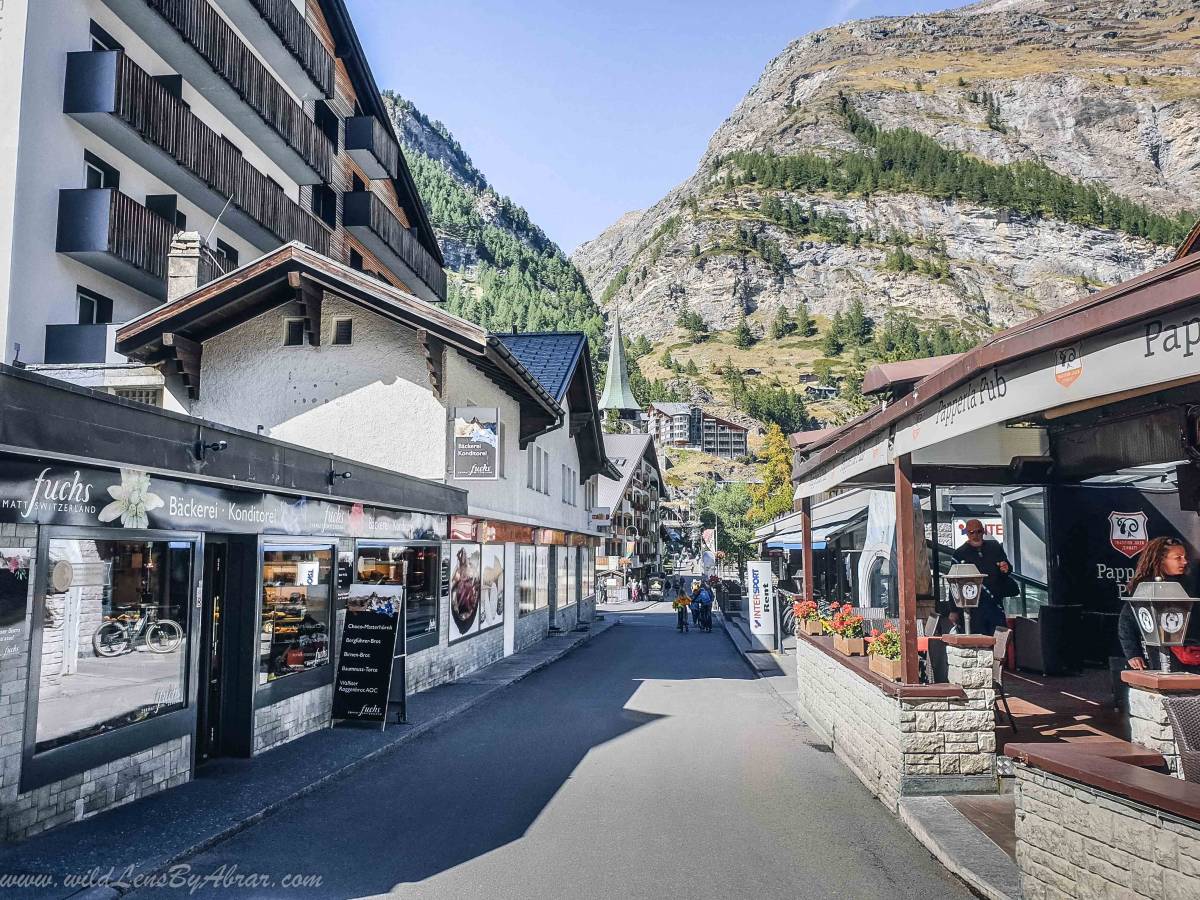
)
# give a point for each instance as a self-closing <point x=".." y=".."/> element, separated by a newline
<point x="966" y="586"/>
<point x="1162" y="609"/>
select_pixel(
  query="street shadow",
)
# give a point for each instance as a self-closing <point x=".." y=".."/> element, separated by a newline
<point x="464" y="790"/>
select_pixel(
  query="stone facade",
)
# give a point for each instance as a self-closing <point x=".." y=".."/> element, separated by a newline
<point x="292" y="718"/>
<point x="532" y="628"/>
<point x="1150" y="727"/>
<point x="901" y="746"/>
<point x="1074" y="841"/>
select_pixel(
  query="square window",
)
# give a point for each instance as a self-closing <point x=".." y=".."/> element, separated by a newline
<point x="356" y="260"/>
<point x="229" y="252"/>
<point x="293" y="332"/>
<point x="93" y="308"/>
<point x="324" y="206"/>
<point x="343" y="331"/>
<point x="97" y="174"/>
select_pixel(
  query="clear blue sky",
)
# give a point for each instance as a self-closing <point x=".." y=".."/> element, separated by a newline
<point x="581" y="110"/>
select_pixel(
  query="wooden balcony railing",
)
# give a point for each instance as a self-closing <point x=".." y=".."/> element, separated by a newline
<point x="370" y="143"/>
<point x="363" y="208"/>
<point x="200" y="25"/>
<point x="294" y="31"/>
<point x="138" y="236"/>
<point x="166" y="121"/>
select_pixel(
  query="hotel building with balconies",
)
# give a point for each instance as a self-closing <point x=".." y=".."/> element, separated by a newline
<point x="252" y="122"/>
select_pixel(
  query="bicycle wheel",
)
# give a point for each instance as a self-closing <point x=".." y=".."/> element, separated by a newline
<point x="163" y="636"/>
<point x="110" y="639"/>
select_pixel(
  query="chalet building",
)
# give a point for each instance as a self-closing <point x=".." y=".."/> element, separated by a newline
<point x="691" y="428"/>
<point x="252" y="123"/>
<point x="634" y="544"/>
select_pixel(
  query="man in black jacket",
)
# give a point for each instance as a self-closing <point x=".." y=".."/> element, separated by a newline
<point x="992" y="562"/>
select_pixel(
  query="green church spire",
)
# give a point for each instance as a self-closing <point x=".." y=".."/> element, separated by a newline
<point x="617" y="393"/>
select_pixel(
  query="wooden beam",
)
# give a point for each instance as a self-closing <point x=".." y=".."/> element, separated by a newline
<point x="806" y="547"/>
<point x="185" y="358"/>
<point x="434" y="361"/>
<point x="310" y="297"/>
<point x="906" y="567"/>
<point x="579" y="421"/>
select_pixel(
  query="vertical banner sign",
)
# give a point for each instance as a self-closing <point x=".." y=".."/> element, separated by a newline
<point x="761" y="585"/>
<point x="364" y="671"/>
<point x="14" y="594"/>
<point x="475" y="445"/>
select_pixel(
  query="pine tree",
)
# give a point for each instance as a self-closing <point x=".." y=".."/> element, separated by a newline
<point x="743" y="337"/>
<point x="803" y="323"/>
<point x="691" y="368"/>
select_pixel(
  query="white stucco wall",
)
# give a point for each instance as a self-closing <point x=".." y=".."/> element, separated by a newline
<point x="37" y="285"/>
<point x="371" y="401"/>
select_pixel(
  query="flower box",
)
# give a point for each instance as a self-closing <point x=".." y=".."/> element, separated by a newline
<point x="888" y="668"/>
<point x="850" y="646"/>
<point x="810" y="626"/>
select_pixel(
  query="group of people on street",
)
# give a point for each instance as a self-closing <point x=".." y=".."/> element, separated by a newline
<point x="699" y="600"/>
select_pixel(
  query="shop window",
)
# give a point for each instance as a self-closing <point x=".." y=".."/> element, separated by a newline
<point x="343" y="331"/>
<point x="114" y="636"/>
<point x="526" y="580"/>
<point x="294" y="636"/>
<point x="541" y="594"/>
<point x="415" y="567"/>
<point x="572" y="554"/>
<point x="560" y="578"/>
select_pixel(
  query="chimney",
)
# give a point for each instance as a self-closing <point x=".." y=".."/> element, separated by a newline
<point x="183" y="265"/>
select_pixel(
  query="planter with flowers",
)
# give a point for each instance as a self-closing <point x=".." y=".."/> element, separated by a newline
<point x="846" y="626"/>
<point x="884" y="653"/>
<point x="808" y="617"/>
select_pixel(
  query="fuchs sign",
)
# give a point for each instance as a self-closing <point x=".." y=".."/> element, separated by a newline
<point x="34" y="493"/>
<point x="475" y="444"/>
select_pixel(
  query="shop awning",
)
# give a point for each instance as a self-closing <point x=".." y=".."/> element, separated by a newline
<point x="794" y="540"/>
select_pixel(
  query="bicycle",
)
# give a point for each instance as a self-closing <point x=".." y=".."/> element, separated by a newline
<point x="121" y="634"/>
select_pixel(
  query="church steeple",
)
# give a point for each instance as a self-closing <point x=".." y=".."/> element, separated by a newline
<point x="617" y="393"/>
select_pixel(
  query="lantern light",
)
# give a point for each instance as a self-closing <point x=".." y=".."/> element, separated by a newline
<point x="1162" y="610"/>
<point x="966" y="587"/>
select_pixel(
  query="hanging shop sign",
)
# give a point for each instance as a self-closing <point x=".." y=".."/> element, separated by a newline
<point x="600" y="516"/>
<point x="761" y="582"/>
<point x="475" y="445"/>
<point x="34" y="493"/>
<point x="490" y="531"/>
<point x="363" y="682"/>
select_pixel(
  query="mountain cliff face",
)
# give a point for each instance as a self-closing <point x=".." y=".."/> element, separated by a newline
<point x="503" y="270"/>
<point x="971" y="167"/>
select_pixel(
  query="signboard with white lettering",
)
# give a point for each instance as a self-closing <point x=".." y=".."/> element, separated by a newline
<point x="475" y="445"/>
<point x="760" y="582"/>
<point x="14" y="598"/>
<point x="364" y="670"/>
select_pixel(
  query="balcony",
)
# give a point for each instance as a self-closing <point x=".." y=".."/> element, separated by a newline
<point x="284" y="39"/>
<point x="196" y="42"/>
<point x="366" y="217"/>
<point x="81" y="344"/>
<point x="116" y="235"/>
<point x="115" y="99"/>
<point x="371" y="146"/>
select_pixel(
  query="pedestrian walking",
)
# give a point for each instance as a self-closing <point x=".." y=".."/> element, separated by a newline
<point x="702" y="601"/>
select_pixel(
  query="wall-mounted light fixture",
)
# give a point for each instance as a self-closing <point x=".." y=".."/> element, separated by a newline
<point x="334" y="476"/>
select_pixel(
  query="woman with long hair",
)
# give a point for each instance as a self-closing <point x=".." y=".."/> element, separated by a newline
<point x="1164" y="559"/>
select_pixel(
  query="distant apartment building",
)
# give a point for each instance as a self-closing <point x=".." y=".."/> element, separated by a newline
<point x="691" y="428"/>
<point x="253" y="122"/>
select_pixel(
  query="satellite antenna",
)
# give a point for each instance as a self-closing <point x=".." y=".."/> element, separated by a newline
<point x="208" y="237"/>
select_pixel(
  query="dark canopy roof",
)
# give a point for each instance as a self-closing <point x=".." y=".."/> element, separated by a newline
<point x="899" y="377"/>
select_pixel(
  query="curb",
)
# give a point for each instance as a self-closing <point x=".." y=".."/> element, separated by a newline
<point x="961" y="848"/>
<point x="110" y="892"/>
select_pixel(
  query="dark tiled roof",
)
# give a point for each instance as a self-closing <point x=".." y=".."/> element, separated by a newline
<point x="550" y="356"/>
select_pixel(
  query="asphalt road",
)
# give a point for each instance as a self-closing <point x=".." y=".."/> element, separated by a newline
<point x="646" y="764"/>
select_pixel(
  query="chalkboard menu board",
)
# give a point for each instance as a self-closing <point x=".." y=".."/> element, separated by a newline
<point x="364" y="670"/>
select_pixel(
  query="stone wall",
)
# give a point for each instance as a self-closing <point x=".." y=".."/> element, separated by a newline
<point x="1075" y="841"/>
<point x="532" y="627"/>
<point x="1150" y="727"/>
<point x="900" y="745"/>
<point x="292" y="718"/>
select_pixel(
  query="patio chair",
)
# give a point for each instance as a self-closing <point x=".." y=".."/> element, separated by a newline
<point x="929" y="627"/>
<point x="999" y="653"/>
<point x="1184" y="715"/>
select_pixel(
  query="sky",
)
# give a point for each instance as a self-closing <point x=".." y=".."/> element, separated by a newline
<point x="582" y="110"/>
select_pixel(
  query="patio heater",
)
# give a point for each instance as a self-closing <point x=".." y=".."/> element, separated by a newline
<point x="1162" y="609"/>
<point x="966" y="586"/>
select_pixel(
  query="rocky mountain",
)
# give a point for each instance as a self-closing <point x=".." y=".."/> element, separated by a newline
<point x="502" y="269"/>
<point x="971" y="167"/>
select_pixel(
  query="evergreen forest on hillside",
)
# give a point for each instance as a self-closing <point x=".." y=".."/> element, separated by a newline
<point x="522" y="278"/>
<point x="906" y="161"/>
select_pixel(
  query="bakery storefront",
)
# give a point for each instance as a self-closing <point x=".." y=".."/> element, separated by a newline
<point x="159" y="610"/>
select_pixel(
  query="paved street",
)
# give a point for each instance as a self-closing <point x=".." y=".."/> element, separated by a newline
<point x="644" y="764"/>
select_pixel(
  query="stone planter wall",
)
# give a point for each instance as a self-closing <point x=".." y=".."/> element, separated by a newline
<point x="1148" y="722"/>
<point x="902" y="739"/>
<point x="1074" y="840"/>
